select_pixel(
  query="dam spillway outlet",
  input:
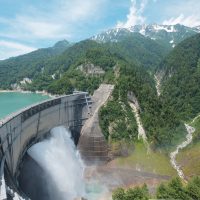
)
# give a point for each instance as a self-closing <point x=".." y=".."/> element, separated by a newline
<point x="55" y="168"/>
<point x="28" y="126"/>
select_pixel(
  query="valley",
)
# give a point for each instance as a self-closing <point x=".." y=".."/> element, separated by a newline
<point x="144" y="84"/>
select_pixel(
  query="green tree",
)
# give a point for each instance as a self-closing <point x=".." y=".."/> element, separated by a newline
<point x="118" y="194"/>
<point x="193" y="188"/>
<point x="137" y="193"/>
<point x="173" y="190"/>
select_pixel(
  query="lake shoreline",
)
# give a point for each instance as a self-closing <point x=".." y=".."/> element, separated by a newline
<point x="45" y="93"/>
<point x="12" y="101"/>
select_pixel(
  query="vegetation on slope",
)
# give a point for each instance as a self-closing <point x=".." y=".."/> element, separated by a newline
<point x="43" y="63"/>
<point x="137" y="48"/>
<point x="180" y="90"/>
<point x="131" y="56"/>
<point x="29" y="65"/>
<point x="160" y="122"/>
<point x="134" y="49"/>
<point x="156" y="162"/>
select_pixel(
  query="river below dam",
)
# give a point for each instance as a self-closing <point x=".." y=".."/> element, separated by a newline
<point x="13" y="101"/>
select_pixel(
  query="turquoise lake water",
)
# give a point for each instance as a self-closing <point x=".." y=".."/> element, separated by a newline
<point x="13" y="101"/>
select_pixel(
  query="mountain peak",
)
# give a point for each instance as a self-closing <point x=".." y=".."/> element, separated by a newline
<point x="61" y="44"/>
<point x="169" y="34"/>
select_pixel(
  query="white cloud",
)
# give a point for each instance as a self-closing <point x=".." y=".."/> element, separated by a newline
<point x="9" y="49"/>
<point x="56" y="23"/>
<point x="135" y="15"/>
<point x="185" y="12"/>
<point x="190" y="21"/>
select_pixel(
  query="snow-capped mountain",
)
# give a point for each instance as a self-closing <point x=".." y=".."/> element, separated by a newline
<point x="169" y="34"/>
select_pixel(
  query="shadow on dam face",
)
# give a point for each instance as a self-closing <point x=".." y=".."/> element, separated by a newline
<point x="35" y="182"/>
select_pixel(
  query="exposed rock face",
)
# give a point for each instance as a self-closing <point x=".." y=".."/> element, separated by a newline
<point x="158" y="80"/>
<point x="132" y="98"/>
<point x="133" y="102"/>
<point x="92" y="144"/>
<point x="19" y="86"/>
<point x="91" y="69"/>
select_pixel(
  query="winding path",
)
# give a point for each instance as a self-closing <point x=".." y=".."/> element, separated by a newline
<point x="173" y="154"/>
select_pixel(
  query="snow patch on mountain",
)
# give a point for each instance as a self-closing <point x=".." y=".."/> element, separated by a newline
<point x="169" y="29"/>
<point x="171" y="34"/>
<point x="142" y="31"/>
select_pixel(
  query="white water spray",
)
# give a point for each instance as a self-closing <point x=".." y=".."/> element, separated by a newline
<point x="59" y="158"/>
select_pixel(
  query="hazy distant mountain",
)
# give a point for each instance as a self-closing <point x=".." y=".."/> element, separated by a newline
<point x="170" y="35"/>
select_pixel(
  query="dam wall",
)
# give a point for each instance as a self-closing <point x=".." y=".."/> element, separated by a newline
<point x="92" y="144"/>
<point x="26" y="127"/>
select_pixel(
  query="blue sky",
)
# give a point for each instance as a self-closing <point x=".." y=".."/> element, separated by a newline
<point x="26" y="25"/>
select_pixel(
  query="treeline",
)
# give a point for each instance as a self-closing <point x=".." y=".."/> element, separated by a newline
<point x="175" y="189"/>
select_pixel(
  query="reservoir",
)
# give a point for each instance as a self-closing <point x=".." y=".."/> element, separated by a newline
<point x="13" y="101"/>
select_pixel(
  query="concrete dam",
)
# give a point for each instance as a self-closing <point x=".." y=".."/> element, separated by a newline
<point x="31" y="125"/>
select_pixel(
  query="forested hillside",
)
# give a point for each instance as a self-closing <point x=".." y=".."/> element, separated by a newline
<point x="42" y="64"/>
<point x="29" y="65"/>
<point x="162" y="126"/>
<point x="161" y="123"/>
<point x="181" y="80"/>
<point x="135" y="47"/>
<point x="128" y="64"/>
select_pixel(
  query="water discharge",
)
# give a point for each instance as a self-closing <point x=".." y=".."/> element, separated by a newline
<point x="60" y="160"/>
